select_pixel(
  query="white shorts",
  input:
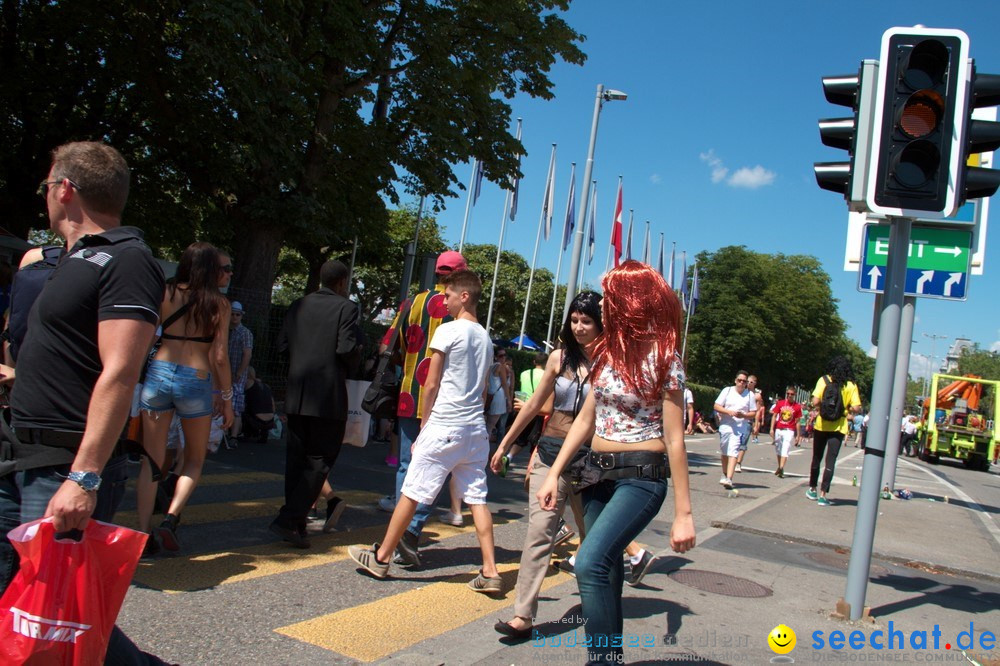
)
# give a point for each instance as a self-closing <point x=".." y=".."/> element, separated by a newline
<point x="462" y="451"/>
<point x="783" y="440"/>
<point x="729" y="442"/>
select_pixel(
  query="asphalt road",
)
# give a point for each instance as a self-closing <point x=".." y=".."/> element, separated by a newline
<point x="237" y="594"/>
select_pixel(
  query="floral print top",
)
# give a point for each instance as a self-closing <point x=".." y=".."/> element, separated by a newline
<point x="624" y="417"/>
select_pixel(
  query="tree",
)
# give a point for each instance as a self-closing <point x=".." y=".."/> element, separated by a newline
<point x="770" y="314"/>
<point x="512" y="286"/>
<point x="974" y="361"/>
<point x="254" y="123"/>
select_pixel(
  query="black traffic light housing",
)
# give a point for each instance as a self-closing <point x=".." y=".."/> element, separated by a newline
<point x="856" y="91"/>
<point x="981" y="136"/>
<point x="920" y="118"/>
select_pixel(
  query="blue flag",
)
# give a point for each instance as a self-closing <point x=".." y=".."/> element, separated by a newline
<point x="684" y="279"/>
<point x="568" y="224"/>
<point x="694" y="289"/>
<point x="593" y="223"/>
<point x="477" y="181"/>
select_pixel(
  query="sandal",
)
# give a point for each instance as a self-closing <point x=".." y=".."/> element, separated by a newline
<point x="507" y="629"/>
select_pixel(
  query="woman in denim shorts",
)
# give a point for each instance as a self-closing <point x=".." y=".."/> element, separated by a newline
<point x="192" y="359"/>
<point x="633" y="419"/>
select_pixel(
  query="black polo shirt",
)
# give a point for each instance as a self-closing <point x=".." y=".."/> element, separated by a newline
<point x="111" y="275"/>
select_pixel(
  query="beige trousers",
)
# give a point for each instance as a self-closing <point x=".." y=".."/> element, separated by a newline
<point x="542" y="528"/>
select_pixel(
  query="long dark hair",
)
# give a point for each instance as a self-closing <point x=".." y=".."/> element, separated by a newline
<point x="573" y="357"/>
<point x="840" y="370"/>
<point x="199" y="269"/>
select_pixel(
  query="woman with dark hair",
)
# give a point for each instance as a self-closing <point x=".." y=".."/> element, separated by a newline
<point x="193" y="353"/>
<point x="828" y="434"/>
<point x="634" y="420"/>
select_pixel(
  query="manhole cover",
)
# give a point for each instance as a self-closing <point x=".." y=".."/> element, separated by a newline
<point x="840" y="561"/>
<point x="719" y="583"/>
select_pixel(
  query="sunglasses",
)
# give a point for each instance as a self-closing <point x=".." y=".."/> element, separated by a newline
<point x="741" y="381"/>
<point x="43" y="187"/>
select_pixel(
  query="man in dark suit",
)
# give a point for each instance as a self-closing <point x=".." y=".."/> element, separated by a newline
<point x="324" y="345"/>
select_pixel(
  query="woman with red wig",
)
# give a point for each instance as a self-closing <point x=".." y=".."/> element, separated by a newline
<point x="634" y="420"/>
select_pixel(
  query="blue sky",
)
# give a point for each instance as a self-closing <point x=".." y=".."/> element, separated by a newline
<point x="718" y="137"/>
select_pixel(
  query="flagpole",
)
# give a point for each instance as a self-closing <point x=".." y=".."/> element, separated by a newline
<point x="687" y="322"/>
<point x="691" y="299"/>
<point x="611" y="242"/>
<point x="538" y="237"/>
<point x="468" y="206"/>
<point x="647" y="250"/>
<point x="628" y="242"/>
<point x="507" y="201"/>
<point x="496" y="265"/>
<point x="673" y="252"/>
<point x="562" y="251"/>
<point x="659" y="258"/>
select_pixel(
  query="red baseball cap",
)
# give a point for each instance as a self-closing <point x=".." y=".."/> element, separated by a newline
<point x="450" y="261"/>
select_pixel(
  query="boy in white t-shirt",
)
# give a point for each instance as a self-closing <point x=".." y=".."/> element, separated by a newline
<point x="453" y="437"/>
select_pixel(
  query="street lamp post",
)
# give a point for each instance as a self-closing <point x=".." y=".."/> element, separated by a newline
<point x="577" y="254"/>
<point x="930" y="368"/>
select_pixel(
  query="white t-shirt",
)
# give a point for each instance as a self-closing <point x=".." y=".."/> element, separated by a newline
<point x="468" y="354"/>
<point x="733" y="400"/>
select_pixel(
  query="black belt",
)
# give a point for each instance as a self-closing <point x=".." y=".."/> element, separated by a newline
<point x="68" y="439"/>
<point x="631" y="464"/>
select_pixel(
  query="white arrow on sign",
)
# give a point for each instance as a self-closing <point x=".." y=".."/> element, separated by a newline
<point x="953" y="251"/>
<point x="925" y="277"/>
<point x="952" y="280"/>
<point x="874" y="274"/>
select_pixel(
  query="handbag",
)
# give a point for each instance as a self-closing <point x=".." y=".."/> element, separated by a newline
<point x="62" y="604"/>
<point x="382" y="396"/>
<point x="359" y="421"/>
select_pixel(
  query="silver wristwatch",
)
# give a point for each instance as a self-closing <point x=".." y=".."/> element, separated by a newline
<point x="89" y="481"/>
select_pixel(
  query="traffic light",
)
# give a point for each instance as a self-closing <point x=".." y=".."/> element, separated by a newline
<point x="853" y="134"/>
<point x="982" y="136"/>
<point x="920" y="118"/>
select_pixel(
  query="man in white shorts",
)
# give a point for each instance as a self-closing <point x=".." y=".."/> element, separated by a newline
<point x="785" y="426"/>
<point x="452" y="437"/>
<point x="735" y="405"/>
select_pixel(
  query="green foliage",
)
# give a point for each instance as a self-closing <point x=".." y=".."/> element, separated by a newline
<point x="770" y="314"/>
<point x="975" y="361"/>
<point x="704" y="397"/>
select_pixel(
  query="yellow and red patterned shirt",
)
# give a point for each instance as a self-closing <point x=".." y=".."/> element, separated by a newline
<point x="423" y="315"/>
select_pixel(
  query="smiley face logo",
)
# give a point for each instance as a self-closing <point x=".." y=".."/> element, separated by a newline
<point x="781" y="639"/>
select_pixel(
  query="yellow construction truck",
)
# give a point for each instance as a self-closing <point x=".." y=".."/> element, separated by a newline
<point x="960" y="420"/>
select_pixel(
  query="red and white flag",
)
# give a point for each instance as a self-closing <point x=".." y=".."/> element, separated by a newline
<point x="616" y="226"/>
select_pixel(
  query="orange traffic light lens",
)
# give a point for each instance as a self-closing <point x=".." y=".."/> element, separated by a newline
<point x="922" y="114"/>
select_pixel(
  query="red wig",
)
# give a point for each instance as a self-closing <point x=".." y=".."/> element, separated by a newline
<point x="641" y="316"/>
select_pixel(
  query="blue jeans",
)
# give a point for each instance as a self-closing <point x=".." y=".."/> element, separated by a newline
<point x="24" y="496"/>
<point x="178" y="387"/>
<point x="615" y="513"/>
<point x="408" y="430"/>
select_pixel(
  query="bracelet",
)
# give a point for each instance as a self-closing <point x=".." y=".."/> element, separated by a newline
<point x="227" y="395"/>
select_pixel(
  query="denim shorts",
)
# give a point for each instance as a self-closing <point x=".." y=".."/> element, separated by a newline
<point x="178" y="387"/>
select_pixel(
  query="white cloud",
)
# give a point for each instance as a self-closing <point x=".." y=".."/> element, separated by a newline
<point x="656" y="179"/>
<point x="920" y="366"/>
<point x="873" y="352"/>
<point x="745" y="177"/>
<point x="753" y="178"/>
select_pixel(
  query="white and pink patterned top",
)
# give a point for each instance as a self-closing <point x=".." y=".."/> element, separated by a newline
<point x="622" y="416"/>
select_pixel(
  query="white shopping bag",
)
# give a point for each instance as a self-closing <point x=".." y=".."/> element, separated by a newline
<point x="358" y="420"/>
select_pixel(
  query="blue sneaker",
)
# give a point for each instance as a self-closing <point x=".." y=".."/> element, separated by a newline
<point x="822" y="501"/>
<point x="811" y="494"/>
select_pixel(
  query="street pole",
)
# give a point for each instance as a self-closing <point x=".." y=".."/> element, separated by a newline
<point x="534" y="256"/>
<point x="468" y="205"/>
<point x="899" y="393"/>
<point x="858" y="568"/>
<point x="930" y="368"/>
<point x="577" y="255"/>
<point x="496" y="266"/>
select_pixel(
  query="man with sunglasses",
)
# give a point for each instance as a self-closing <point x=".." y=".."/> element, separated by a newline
<point x="785" y="425"/>
<point x="87" y="338"/>
<point x="735" y="405"/>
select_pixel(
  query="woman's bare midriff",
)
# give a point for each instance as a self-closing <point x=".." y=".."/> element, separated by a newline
<point x="607" y="446"/>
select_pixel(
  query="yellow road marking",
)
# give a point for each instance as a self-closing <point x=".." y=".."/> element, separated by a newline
<point x="208" y="570"/>
<point x="380" y="628"/>
<point x="217" y="512"/>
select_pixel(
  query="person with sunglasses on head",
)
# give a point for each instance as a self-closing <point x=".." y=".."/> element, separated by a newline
<point x="633" y="418"/>
<point x="784" y="426"/>
<point x="736" y="407"/>
<point x="192" y="357"/>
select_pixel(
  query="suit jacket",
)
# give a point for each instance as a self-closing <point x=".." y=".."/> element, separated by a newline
<point x="324" y="344"/>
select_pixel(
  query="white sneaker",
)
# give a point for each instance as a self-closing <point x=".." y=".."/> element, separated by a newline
<point x="739" y="467"/>
<point x="724" y="480"/>
<point x="455" y="519"/>
<point x="387" y="504"/>
<point x="728" y="483"/>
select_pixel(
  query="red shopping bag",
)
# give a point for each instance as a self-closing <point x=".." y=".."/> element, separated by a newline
<point x="63" y="602"/>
